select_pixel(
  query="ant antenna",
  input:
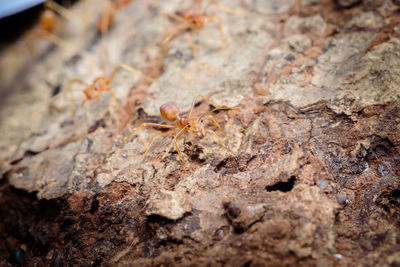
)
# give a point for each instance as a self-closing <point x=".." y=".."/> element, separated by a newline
<point x="215" y="109"/>
<point x="194" y="102"/>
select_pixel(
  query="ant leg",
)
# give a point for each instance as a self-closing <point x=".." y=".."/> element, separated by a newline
<point x="130" y="69"/>
<point x="168" y="35"/>
<point x="208" y="5"/>
<point x="68" y="90"/>
<point x="52" y="106"/>
<point x="180" y="133"/>
<point x="114" y="72"/>
<point x="137" y="129"/>
<point x="59" y="9"/>
<point x="217" y="18"/>
<point x="54" y="39"/>
<point x="215" y="121"/>
<point x="114" y="95"/>
<point x="232" y="11"/>
<point x="158" y="136"/>
<point x="105" y="21"/>
<point x="86" y="111"/>
<point x="173" y="16"/>
<point x="133" y="70"/>
<point x="223" y="108"/>
<point x="76" y="80"/>
<point x="219" y="140"/>
<point x="190" y="40"/>
<point x="220" y="27"/>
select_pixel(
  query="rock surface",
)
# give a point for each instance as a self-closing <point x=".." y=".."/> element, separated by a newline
<point x="314" y="175"/>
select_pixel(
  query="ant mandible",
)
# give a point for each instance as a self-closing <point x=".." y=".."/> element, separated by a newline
<point x="100" y="84"/>
<point x="170" y="112"/>
<point x="191" y="22"/>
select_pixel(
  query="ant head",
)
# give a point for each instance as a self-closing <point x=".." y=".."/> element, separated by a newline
<point x="99" y="85"/>
<point x="169" y="111"/>
<point x="196" y="127"/>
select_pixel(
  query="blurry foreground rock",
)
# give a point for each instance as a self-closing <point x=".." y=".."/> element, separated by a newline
<point x="315" y="176"/>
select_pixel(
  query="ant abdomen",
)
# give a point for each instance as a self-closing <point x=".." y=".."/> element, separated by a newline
<point x="169" y="111"/>
<point x="48" y="20"/>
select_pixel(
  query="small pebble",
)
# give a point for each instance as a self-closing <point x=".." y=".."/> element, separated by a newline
<point x="339" y="256"/>
<point x="18" y="256"/>
<point x="322" y="184"/>
<point x="341" y="198"/>
<point x="287" y="148"/>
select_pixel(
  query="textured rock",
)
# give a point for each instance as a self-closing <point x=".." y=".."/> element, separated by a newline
<point x="168" y="204"/>
<point x="313" y="179"/>
<point x="347" y="3"/>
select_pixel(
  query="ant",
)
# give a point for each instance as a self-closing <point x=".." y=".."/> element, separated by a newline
<point x="100" y="84"/>
<point x="191" y="22"/>
<point x="48" y="23"/>
<point x="170" y="112"/>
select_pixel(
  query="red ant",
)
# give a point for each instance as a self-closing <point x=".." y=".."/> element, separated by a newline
<point x="100" y="84"/>
<point x="170" y="112"/>
<point x="191" y="22"/>
<point x="48" y="23"/>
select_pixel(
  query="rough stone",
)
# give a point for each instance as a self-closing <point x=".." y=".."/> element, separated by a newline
<point x="312" y="179"/>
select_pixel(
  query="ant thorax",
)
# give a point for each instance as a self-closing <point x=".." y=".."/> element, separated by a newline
<point x="94" y="90"/>
<point x="195" y="20"/>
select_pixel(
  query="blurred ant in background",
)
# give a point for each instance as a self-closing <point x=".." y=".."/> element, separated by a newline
<point x="100" y="84"/>
<point x="48" y="24"/>
<point x="191" y="21"/>
<point x="194" y="21"/>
